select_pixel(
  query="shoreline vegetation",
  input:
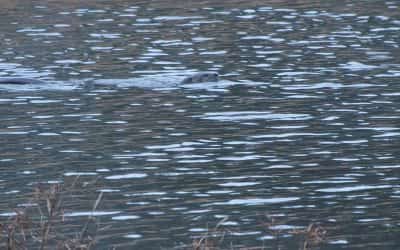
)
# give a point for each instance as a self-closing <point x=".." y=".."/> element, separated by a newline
<point x="40" y="223"/>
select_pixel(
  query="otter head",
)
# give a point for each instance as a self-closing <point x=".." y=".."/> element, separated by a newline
<point x="209" y="77"/>
<point x="202" y="77"/>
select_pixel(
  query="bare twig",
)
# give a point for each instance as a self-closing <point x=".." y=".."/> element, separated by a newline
<point x="22" y="232"/>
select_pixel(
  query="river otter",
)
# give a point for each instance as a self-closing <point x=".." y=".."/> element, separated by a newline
<point x="196" y="78"/>
<point x="11" y="80"/>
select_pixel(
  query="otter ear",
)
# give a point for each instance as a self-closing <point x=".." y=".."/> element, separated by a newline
<point x="188" y="80"/>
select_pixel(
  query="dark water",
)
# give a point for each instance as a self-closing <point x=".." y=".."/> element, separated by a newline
<point x="304" y="126"/>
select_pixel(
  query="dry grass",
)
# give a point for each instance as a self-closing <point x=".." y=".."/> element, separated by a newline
<point x="211" y="239"/>
<point x="39" y="225"/>
<point x="311" y="237"/>
<point x="42" y="225"/>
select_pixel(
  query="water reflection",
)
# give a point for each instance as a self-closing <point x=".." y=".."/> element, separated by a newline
<point x="302" y="127"/>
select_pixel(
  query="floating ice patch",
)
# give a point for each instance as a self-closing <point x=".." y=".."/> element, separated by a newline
<point x="133" y="236"/>
<point x="239" y="184"/>
<point x="284" y="227"/>
<point x="251" y="115"/>
<point x="257" y="201"/>
<point x="256" y="38"/>
<point x="218" y="52"/>
<point x="45" y="34"/>
<point x="126" y="176"/>
<point x="385" y="29"/>
<point x="125" y="217"/>
<point x="286" y="135"/>
<point x="202" y="39"/>
<point x="91" y="213"/>
<point x="353" y="188"/>
<point x="387" y="166"/>
<point x="357" y="66"/>
<point x="296" y="73"/>
<point x="176" y="18"/>
<point x="10" y="214"/>
<point x="336" y="242"/>
<point x="79" y="173"/>
<point x="390" y="73"/>
<point x="279" y="166"/>
<point x="330" y="85"/>
<point x="387" y="134"/>
<point x="240" y="158"/>
<point x="31" y="30"/>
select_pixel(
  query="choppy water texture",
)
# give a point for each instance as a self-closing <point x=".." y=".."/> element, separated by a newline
<point x="304" y="126"/>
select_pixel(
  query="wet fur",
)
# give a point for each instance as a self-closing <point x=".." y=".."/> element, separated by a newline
<point x="201" y="77"/>
<point x="196" y="78"/>
<point x="11" y="80"/>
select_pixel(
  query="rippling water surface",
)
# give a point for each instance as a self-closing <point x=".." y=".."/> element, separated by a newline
<point x="303" y="127"/>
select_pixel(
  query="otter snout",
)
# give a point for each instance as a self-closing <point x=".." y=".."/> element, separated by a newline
<point x="202" y="77"/>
